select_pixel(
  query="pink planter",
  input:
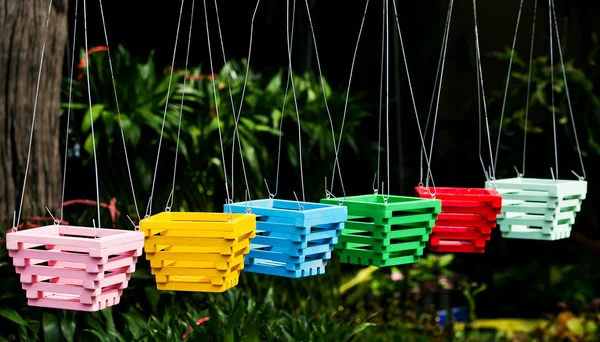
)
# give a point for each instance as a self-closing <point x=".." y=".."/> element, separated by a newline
<point x="74" y="268"/>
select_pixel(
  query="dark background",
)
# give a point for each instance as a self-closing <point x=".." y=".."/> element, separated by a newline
<point x="145" y="25"/>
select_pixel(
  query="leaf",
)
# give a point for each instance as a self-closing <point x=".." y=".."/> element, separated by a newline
<point x="540" y="92"/>
<point x="51" y="327"/>
<point x="131" y="131"/>
<point x="134" y="323"/>
<point x="362" y="327"/>
<point x="153" y="297"/>
<point x="7" y="295"/>
<point x="97" y="110"/>
<point x="34" y="325"/>
<point x="268" y="305"/>
<point x="88" y="146"/>
<point x="93" y="322"/>
<point x="68" y="325"/>
<point x="100" y="337"/>
<point x="274" y="85"/>
<point x="361" y="276"/>
<point x="446" y="260"/>
<point x="74" y="105"/>
<point x="12" y="315"/>
<point x="312" y="96"/>
<point x="575" y="326"/>
<point x="556" y="275"/>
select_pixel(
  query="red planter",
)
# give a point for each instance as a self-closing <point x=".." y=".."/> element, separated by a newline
<point x="467" y="218"/>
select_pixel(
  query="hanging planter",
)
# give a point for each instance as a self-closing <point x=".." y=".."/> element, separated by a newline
<point x="74" y="268"/>
<point x="466" y="220"/>
<point x="385" y="233"/>
<point x="199" y="252"/>
<point x="293" y="239"/>
<point x="539" y="209"/>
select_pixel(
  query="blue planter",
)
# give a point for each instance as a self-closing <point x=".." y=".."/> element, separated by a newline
<point x="460" y="314"/>
<point x="293" y="239"/>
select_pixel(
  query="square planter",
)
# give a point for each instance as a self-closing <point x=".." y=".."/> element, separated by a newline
<point x="385" y="233"/>
<point x="293" y="239"/>
<point x="467" y="218"/>
<point x="74" y="268"/>
<point x="539" y="209"/>
<point x="198" y="252"/>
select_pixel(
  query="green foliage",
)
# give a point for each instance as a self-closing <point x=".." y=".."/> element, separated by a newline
<point x="231" y="316"/>
<point x="145" y="314"/>
<point x="142" y="94"/>
<point x="577" y="325"/>
<point x="470" y="290"/>
<point x="584" y="101"/>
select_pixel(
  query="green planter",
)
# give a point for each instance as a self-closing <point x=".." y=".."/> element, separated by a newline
<point x="382" y="232"/>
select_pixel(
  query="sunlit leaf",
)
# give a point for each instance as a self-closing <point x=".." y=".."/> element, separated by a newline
<point x="97" y="110"/>
<point x="575" y="326"/>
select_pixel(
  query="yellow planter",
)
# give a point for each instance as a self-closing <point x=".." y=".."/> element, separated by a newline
<point x="199" y="252"/>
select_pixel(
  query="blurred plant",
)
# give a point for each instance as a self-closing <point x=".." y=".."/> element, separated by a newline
<point x="142" y="94"/>
<point x="581" y="90"/>
<point x="17" y="325"/>
<point x="470" y="290"/>
<point x="309" y="323"/>
<point x="575" y="284"/>
<point x="432" y="274"/>
<point x="570" y="326"/>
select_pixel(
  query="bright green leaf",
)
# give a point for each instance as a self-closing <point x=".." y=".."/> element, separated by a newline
<point x="97" y="110"/>
<point x="575" y="326"/>
<point x="446" y="260"/>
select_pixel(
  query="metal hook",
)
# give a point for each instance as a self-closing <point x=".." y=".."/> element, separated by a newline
<point x="375" y="190"/>
<point x="578" y="176"/>
<point x="227" y="192"/>
<point x="428" y="191"/>
<point x="14" y="227"/>
<point x="330" y="195"/>
<point x="492" y="178"/>
<point x="248" y="209"/>
<point x="385" y="197"/>
<point x="300" y="206"/>
<point x="552" y="173"/>
<point x="271" y="196"/>
<point x="135" y="227"/>
<point x="96" y="235"/>
<point x="56" y="222"/>
<point x="519" y="175"/>
<point x="169" y="202"/>
<point x="229" y="212"/>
